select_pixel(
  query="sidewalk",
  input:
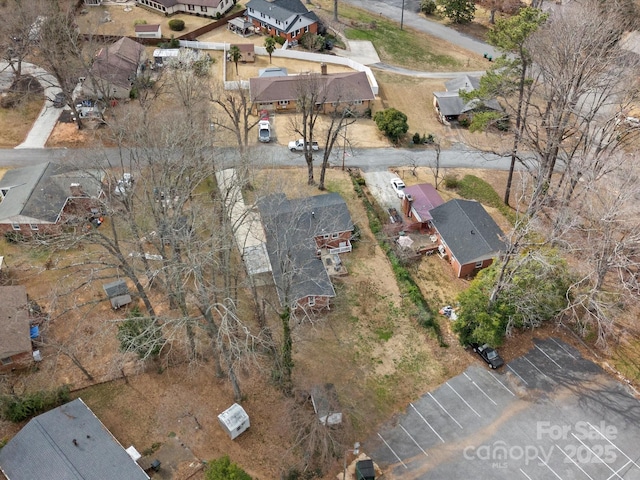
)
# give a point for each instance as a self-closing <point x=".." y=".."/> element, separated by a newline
<point x="48" y="117"/>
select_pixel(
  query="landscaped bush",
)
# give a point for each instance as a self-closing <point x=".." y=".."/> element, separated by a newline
<point x="218" y="15"/>
<point x="451" y="182"/>
<point x="139" y="21"/>
<point x="223" y="469"/>
<point x="416" y="138"/>
<point x="428" y="7"/>
<point x="19" y="408"/>
<point x="280" y="40"/>
<point x="176" y="25"/>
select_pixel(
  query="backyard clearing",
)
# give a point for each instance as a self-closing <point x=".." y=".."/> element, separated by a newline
<point x="15" y="123"/>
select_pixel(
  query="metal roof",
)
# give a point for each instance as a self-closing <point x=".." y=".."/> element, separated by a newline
<point x="67" y="443"/>
<point x="424" y="198"/>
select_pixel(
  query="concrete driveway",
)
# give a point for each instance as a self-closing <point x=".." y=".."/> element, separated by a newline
<point x="550" y="414"/>
<point x="379" y="184"/>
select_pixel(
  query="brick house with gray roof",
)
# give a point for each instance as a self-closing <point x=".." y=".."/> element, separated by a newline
<point x="296" y="232"/>
<point x="68" y="442"/>
<point x="286" y="18"/>
<point x="337" y="90"/>
<point x="469" y="236"/>
<point x="42" y="199"/>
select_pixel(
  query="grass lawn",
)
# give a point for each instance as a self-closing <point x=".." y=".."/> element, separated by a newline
<point x="16" y="122"/>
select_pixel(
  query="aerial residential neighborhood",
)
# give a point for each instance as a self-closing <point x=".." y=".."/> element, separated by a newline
<point x="319" y="239"/>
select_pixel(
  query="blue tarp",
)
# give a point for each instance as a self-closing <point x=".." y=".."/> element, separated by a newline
<point x="34" y="332"/>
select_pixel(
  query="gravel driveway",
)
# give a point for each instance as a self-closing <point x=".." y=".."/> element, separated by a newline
<point x="379" y="184"/>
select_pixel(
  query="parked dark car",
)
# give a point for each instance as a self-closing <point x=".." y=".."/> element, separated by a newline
<point x="488" y="354"/>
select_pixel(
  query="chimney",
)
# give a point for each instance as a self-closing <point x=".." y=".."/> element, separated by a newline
<point x="407" y="203"/>
<point x="76" y="190"/>
<point x="323" y="68"/>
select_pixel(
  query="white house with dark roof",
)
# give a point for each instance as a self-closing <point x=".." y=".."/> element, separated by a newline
<point x="43" y="198"/>
<point x="469" y="237"/>
<point x="68" y="442"/>
<point x="285" y="18"/>
<point x="450" y="105"/>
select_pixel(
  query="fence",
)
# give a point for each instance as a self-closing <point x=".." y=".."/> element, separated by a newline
<point x="294" y="54"/>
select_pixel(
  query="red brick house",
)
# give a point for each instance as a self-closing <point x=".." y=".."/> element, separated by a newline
<point x="296" y="232"/>
<point x="469" y="238"/>
<point x="336" y="91"/>
<point x="286" y="18"/>
<point x="44" y="198"/>
<point x="15" y="342"/>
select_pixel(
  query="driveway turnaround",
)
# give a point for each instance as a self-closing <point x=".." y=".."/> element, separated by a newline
<point x="550" y="414"/>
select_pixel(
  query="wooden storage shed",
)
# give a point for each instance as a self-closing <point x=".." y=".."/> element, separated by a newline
<point x="118" y="293"/>
<point x="234" y="420"/>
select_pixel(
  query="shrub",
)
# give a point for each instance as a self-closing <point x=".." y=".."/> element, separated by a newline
<point x="280" y="40"/>
<point x="451" y="182"/>
<point x="141" y="335"/>
<point x="139" y="21"/>
<point x="19" y="408"/>
<point x="223" y="469"/>
<point x="392" y="122"/>
<point x="428" y="7"/>
<point x="416" y="138"/>
<point x="176" y="25"/>
<point x="218" y="15"/>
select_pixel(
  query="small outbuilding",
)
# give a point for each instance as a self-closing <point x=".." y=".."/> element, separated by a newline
<point x="234" y="420"/>
<point x="247" y="51"/>
<point x="148" y="31"/>
<point x="118" y="293"/>
<point x="240" y="26"/>
<point x="365" y="470"/>
<point x="326" y="405"/>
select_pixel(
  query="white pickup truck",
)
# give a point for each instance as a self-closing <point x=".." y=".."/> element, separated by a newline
<point x="298" y="146"/>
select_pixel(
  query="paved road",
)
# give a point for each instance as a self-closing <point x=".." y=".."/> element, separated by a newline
<point x="393" y="9"/>
<point x="368" y="159"/>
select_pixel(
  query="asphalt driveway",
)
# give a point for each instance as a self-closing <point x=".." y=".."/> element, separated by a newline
<point x="549" y="414"/>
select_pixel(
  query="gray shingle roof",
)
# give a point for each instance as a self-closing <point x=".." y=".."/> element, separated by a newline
<point x="39" y="193"/>
<point x="67" y="443"/>
<point x="450" y="102"/>
<point x="290" y="227"/>
<point x="118" y="63"/>
<point x="281" y="9"/>
<point x="468" y="230"/>
<point x="342" y="87"/>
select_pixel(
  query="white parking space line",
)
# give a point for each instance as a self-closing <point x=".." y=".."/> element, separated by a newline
<point x="503" y="385"/>
<point x="465" y="402"/>
<point x="444" y="409"/>
<point x="565" y="350"/>
<point x="414" y="440"/>
<point x="573" y="461"/>
<point x="478" y="387"/>
<point x="541" y="372"/>
<point x="595" y="455"/>
<point x="620" y="469"/>
<point x="391" y="450"/>
<point x="614" y="446"/>
<point x="517" y="375"/>
<point x="522" y="472"/>
<point x="428" y="424"/>
<point x="545" y="354"/>
<point x="550" y="469"/>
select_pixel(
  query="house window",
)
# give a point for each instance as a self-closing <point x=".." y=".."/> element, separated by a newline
<point x="478" y="264"/>
<point x="33" y="226"/>
<point x="283" y="103"/>
<point x="312" y="301"/>
<point x="306" y="29"/>
<point x="191" y="7"/>
<point x="15" y="226"/>
<point x="6" y="361"/>
<point x="325" y="236"/>
<point x="204" y="9"/>
<point x="335" y="235"/>
<point x="357" y="102"/>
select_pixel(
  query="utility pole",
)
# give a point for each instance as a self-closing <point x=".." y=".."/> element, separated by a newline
<point x="402" y="16"/>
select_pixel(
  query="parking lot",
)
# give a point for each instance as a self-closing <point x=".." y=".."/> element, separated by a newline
<point x="549" y="414"/>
